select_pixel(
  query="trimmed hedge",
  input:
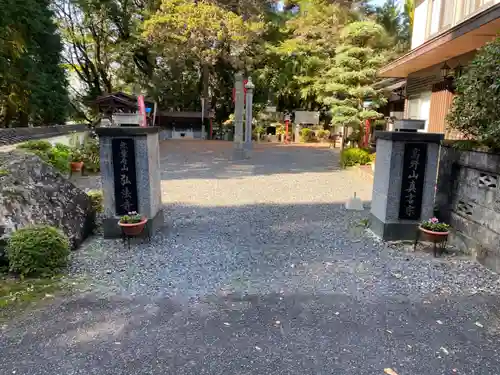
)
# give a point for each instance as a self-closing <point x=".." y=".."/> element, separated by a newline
<point x="37" y="250"/>
<point x="354" y="156"/>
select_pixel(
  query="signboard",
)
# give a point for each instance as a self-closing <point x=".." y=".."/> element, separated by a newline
<point x="142" y="111"/>
<point x="271" y="109"/>
<point x="412" y="183"/>
<point x="124" y="175"/>
<point x="307" y="117"/>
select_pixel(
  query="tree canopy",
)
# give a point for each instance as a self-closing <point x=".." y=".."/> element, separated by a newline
<point x="32" y="82"/>
<point x="177" y="51"/>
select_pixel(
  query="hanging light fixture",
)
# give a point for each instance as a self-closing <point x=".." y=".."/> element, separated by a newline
<point x="445" y="71"/>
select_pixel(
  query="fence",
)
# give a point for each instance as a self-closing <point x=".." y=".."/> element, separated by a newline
<point x="468" y="197"/>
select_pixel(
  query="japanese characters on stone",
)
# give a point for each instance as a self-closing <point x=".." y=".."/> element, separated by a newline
<point x="415" y="156"/>
<point x="125" y="180"/>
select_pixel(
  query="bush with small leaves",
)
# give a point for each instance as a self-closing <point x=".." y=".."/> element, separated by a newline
<point x="97" y="199"/>
<point x="36" y="145"/>
<point x="322" y="134"/>
<point x="307" y="135"/>
<point x="354" y="156"/>
<point x="38" y="250"/>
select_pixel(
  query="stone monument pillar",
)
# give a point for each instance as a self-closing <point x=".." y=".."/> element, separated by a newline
<point x="404" y="183"/>
<point x="131" y="176"/>
<point x="239" y="104"/>
<point x="249" y="116"/>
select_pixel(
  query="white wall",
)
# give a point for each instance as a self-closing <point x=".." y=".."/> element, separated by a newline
<point x="419" y="23"/>
<point x="453" y="12"/>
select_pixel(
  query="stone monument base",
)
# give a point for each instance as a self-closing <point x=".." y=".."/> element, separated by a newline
<point x="393" y="231"/>
<point x="404" y="183"/>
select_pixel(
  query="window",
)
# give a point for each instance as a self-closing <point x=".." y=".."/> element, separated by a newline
<point x="447" y="13"/>
<point x="419" y="107"/>
<point x="435" y="16"/>
<point x="470" y="6"/>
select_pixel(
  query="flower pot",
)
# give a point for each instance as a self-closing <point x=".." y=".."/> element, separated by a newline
<point x="133" y="229"/>
<point x="76" y="166"/>
<point x="435" y="237"/>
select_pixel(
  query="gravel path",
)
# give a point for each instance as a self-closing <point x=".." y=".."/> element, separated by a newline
<point x="260" y="270"/>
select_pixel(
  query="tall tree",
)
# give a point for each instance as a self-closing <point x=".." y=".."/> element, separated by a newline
<point x="293" y="59"/>
<point x="346" y="84"/>
<point x="32" y="82"/>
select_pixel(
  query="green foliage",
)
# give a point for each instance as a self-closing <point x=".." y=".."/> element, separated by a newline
<point x="57" y="156"/>
<point x="97" y="198"/>
<point x="323" y="134"/>
<point x="354" y="156"/>
<point x="3" y="172"/>
<point x="37" y="250"/>
<point x="203" y="30"/>
<point x="20" y="293"/>
<point x="90" y="153"/>
<point x="76" y="155"/>
<point x="373" y="156"/>
<point x="477" y="103"/>
<point x="466" y="144"/>
<point x="307" y="135"/>
<point x="33" y="83"/>
<point x="435" y="225"/>
<point x="397" y="22"/>
<point x="35" y="145"/>
<point x="131" y="218"/>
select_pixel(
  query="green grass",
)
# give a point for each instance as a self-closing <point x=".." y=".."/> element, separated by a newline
<point x="17" y="294"/>
<point x="3" y="172"/>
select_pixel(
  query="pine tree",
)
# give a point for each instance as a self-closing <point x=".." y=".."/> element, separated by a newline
<point x="346" y="84"/>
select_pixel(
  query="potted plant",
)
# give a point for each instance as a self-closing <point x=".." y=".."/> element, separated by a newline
<point x="132" y="224"/>
<point x="434" y="230"/>
<point x="76" y="160"/>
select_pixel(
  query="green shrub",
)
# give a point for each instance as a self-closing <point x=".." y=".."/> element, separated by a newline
<point x="97" y="199"/>
<point x="91" y="158"/>
<point x="373" y="157"/>
<point x="306" y="135"/>
<point x="354" y="156"/>
<point x="58" y="156"/>
<point x="36" y="145"/>
<point x="62" y="147"/>
<point x="323" y="134"/>
<point x="477" y="102"/>
<point x="37" y="250"/>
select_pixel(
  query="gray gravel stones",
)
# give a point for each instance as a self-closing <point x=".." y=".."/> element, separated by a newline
<point x="261" y="271"/>
<point x="260" y="229"/>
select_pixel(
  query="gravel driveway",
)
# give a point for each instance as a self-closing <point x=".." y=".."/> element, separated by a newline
<point x="260" y="270"/>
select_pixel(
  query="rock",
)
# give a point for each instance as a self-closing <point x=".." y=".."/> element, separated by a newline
<point x="32" y="192"/>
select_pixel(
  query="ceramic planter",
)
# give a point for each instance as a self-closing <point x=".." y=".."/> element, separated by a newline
<point x="133" y="229"/>
<point x="76" y="166"/>
<point x="435" y="237"/>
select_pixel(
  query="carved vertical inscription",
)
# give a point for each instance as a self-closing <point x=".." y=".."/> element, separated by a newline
<point x="412" y="184"/>
<point x="124" y="175"/>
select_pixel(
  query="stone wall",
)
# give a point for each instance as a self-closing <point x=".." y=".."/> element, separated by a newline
<point x="17" y="135"/>
<point x="468" y="197"/>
